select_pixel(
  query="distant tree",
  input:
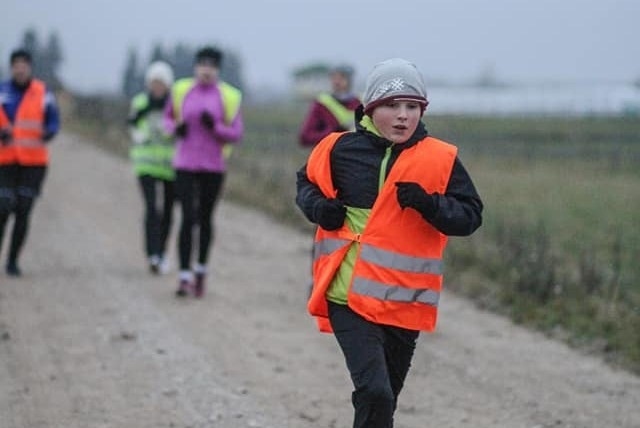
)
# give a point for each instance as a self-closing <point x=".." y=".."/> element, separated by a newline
<point x="231" y="70"/>
<point x="182" y="60"/>
<point x="158" y="54"/>
<point x="48" y="62"/>
<point x="180" y="57"/>
<point x="30" y="41"/>
<point x="46" y="59"/>
<point x="132" y="79"/>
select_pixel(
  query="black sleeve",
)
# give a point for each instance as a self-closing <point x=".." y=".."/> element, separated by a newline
<point x="307" y="194"/>
<point x="459" y="211"/>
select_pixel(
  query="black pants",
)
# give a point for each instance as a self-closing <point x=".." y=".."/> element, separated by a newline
<point x="19" y="187"/>
<point x="378" y="358"/>
<point x="158" y="213"/>
<point x="198" y="193"/>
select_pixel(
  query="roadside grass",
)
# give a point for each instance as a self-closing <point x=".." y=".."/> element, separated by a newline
<point x="559" y="249"/>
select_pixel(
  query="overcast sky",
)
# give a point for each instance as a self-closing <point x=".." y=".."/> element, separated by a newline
<point x="520" y="40"/>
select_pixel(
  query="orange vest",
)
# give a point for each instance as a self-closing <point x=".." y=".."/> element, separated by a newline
<point x="27" y="147"/>
<point x="397" y="275"/>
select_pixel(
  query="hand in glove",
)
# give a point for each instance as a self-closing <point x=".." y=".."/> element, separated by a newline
<point x="133" y="120"/>
<point x="181" y="130"/>
<point x="412" y="195"/>
<point x="207" y="120"/>
<point x="329" y="213"/>
<point x="47" y="136"/>
<point x="5" y="137"/>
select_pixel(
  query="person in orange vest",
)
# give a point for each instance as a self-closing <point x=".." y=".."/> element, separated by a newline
<point x="385" y="198"/>
<point x="331" y="111"/>
<point x="29" y="119"/>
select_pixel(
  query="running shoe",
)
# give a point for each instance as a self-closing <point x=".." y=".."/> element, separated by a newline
<point x="184" y="288"/>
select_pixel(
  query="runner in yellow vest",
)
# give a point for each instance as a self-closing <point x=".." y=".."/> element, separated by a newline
<point x="331" y="112"/>
<point x="205" y="116"/>
<point x="152" y="152"/>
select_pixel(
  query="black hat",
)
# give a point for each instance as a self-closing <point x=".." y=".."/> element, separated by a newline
<point x="22" y="54"/>
<point x="209" y="55"/>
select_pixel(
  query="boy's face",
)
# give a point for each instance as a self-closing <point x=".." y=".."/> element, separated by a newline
<point x="397" y="120"/>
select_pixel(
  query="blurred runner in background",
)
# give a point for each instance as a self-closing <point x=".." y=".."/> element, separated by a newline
<point x="331" y="112"/>
<point x="204" y="114"/>
<point x="29" y="119"/>
<point x="152" y="152"/>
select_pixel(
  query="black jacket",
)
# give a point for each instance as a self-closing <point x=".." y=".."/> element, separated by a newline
<point x="355" y="164"/>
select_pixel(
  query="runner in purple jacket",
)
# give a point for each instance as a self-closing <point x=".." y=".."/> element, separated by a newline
<point x="204" y="115"/>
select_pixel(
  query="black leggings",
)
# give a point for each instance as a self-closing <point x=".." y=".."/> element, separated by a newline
<point x="198" y="193"/>
<point x="378" y="358"/>
<point x="19" y="187"/>
<point x="157" y="217"/>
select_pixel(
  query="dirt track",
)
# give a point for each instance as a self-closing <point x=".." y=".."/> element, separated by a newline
<point x="89" y="339"/>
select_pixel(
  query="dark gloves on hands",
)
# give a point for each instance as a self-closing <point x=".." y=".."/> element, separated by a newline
<point x="329" y="213"/>
<point x="5" y="137"/>
<point x="181" y="130"/>
<point x="47" y="136"/>
<point x="206" y="119"/>
<point x="412" y="195"/>
<point x="133" y="120"/>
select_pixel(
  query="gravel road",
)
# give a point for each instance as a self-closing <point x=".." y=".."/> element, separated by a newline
<point x="88" y="338"/>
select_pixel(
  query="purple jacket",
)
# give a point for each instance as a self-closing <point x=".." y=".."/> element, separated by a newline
<point x="201" y="149"/>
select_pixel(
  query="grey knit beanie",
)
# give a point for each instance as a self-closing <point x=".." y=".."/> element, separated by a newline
<point x="396" y="79"/>
<point x="159" y="70"/>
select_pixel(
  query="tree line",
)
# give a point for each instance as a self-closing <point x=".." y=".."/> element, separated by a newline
<point x="48" y="56"/>
<point x="180" y="56"/>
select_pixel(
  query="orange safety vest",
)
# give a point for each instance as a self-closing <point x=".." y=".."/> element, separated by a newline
<point x="27" y="147"/>
<point x="397" y="276"/>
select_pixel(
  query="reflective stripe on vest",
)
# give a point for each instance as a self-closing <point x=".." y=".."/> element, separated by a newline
<point x="343" y="115"/>
<point x="380" y="291"/>
<point x="400" y="261"/>
<point x="382" y="257"/>
<point x="327" y="246"/>
<point x="28" y="124"/>
<point x="27" y="147"/>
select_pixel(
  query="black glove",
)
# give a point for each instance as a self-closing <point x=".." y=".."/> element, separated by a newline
<point x="412" y="195"/>
<point x="207" y="120"/>
<point x="47" y="136"/>
<point x="329" y="214"/>
<point x="139" y="115"/>
<point x="5" y="137"/>
<point x="181" y="130"/>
